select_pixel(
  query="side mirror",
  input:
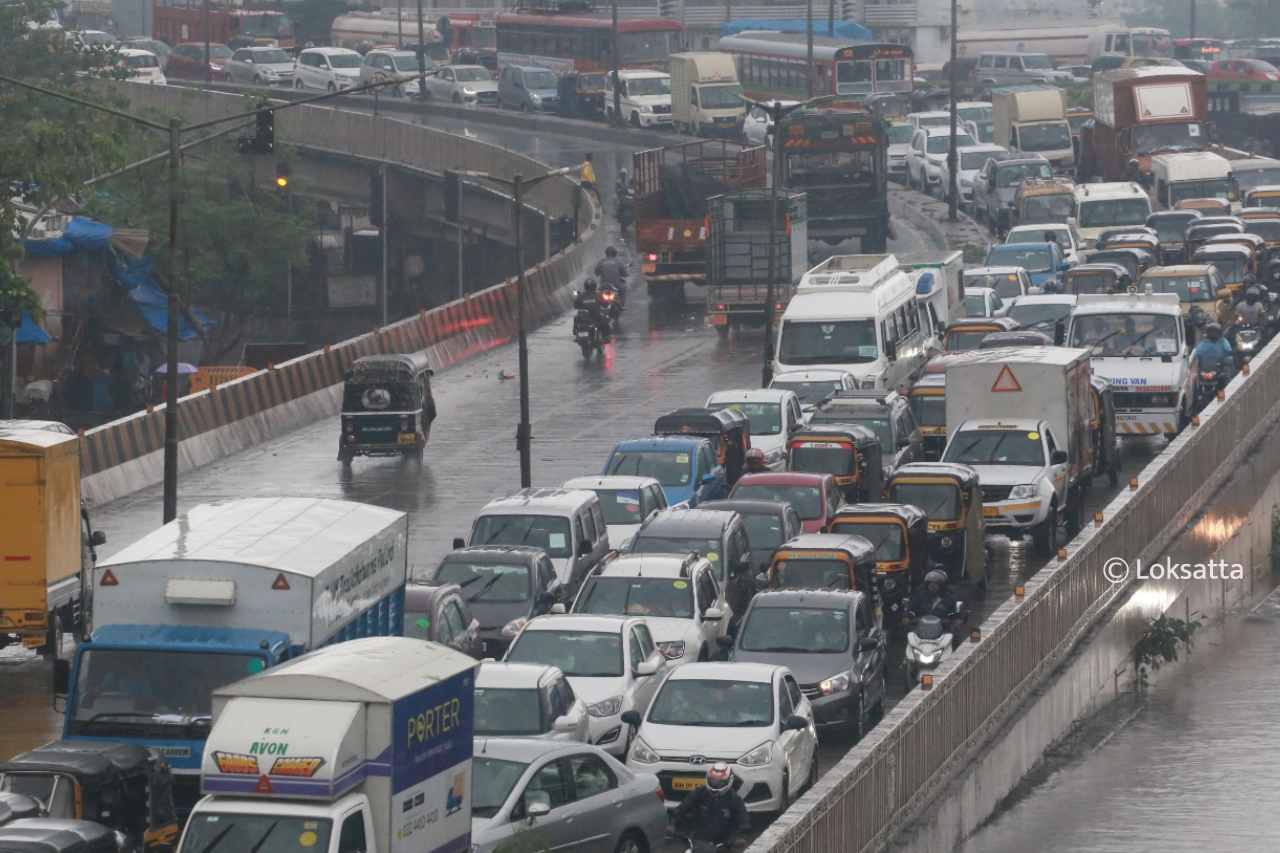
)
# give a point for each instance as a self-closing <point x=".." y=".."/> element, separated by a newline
<point x="61" y="677"/>
<point x="584" y="548"/>
<point x="707" y="479"/>
<point x="100" y="538"/>
<point x="867" y="644"/>
<point x="713" y="614"/>
<point x="1071" y="220"/>
<point x="538" y="810"/>
<point x="1064" y="266"/>
<point x="796" y="724"/>
<point x="647" y="667"/>
<point x="430" y="372"/>
<point x="725" y="642"/>
<point x="631" y="718"/>
<point x="459" y="542"/>
<point x="565" y="724"/>
<point x="558" y="609"/>
<point x="1059" y="458"/>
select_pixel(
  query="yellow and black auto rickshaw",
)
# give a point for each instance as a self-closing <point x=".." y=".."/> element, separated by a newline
<point x="1232" y="261"/>
<point x="1256" y="245"/>
<point x="1268" y="196"/>
<point x="951" y="498"/>
<point x="1263" y="222"/>
<point x="1198" y="233"/>
<point x="728" y="429"/>
<point x="387" y="407"/>
<point x="1106" y="443"/>
<point x="1096" y="278"/>
<point x="824" y="561"/>
<point x="900" y="535"/>
<point x="850" y="453"/>
<point x="1134" y="261"/>
<point x="965" y="335"/>
<point x="928" y="398"/>
<point x="1171" y="230"/>
<point x="125" y="787"/>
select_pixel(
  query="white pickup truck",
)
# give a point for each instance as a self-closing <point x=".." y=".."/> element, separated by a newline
<point x="644" y="97"/>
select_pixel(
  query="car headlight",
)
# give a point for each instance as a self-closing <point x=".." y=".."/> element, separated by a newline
<point x="773" y="456"/>
<point x="606" y="707"/>
<point x="947" y="541"/>
<point x="673" y="650"/>
<point x="515" y="626"/>
<point x="535" y="98"/>
<point x="1023" y="492"/>
<point x="467" y="90"/>
<point x="835" y="684"/>
<point x="641" y="752"/>
<point x="758" y="757"/>
<point x="269" y="72"/>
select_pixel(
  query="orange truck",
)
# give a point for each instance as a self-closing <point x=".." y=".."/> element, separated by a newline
<point x="230" y="25"/>
<point x="672" y="188"/>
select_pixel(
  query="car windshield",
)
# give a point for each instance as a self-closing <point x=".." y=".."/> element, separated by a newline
<point x="975" y="304"/>
<point x="1036" y="62"/>
<point x="1007" y="285"/>
<point x="218" y="51"/>
<point x="900" y="134"/>
<point x="807" y="500"/>
<point x="1253" y="178"/>
<point x="939" y="501"/>
<point x="472" y="75"/>
<point x="930" y="411"/>
<point x="1232" y="269"/>
<point x="621" y="506"/>
<point x="407" y="63"/>
<point x="1221" y="188"/>
<point x="885" y="536"/>
<point x="713" y="703"/>
<point x="1046" y="208"/>
<point x="507" y="713"/>
<point x="1077" y="282"/>
<point x="1079" y="120"/>
<point x="98" y="39"/>
<point x="965" y="340"/>
<point x="1011" y="176"/>
<point x="821" y="457"/>
<point x="834" y="342"/>
<point x="764" y="531"/>
<point x="222" y="832"/>
<point x="1171" y="229"/>
<point x="1189" y="288"/>
<point x="1031" y="260"/>
<point x="582" y="654"/>
<point x="1267" y="229"/>
<point x="808" y="630"/>
<point x="649" y="86"/>
<point x="658" y="597"/>
<point x="140" y="61"/>
<point x="1107" y="213"/>
<point x="811" y="393"/>
<point x="548" y="532"/>
<point x="996" y="447"/>
<point x="720" y="97"/>
<point x="972" y="160"/>
<point x="271" y="57"/>
<point x="978" y="114"/>
<point x="491" y="782"/>
<point x="489" y="582"/>
<point x="764" y="418"/>
<point x="668" y="467"/>
<point x="822" y="573"/>
<point x="942" y="144"/>
<point x="535" y="80"/>
<point x="1040" y="314"/>
<point x="1170" y="136"/>
<point x="677" y="546"/>
<point x="346" y="60"/>
<point x="1126" y="334"/>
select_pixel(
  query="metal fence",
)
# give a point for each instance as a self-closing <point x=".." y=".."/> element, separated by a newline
<point x="865" y="799"/>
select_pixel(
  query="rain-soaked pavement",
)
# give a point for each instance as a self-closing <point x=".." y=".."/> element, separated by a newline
<point x="1191" y="767"/>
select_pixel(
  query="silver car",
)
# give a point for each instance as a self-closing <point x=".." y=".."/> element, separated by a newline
<point x="261" y="66"/>
<point x="570" y="796"/>
<point x="463" y="84"/>
<point x="384" y="64"/>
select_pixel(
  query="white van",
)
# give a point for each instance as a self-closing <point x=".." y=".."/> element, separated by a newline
<point x="1103" y="206"/>
<point x="856" y="313"/>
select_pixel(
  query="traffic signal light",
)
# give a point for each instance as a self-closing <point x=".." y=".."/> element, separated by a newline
<point x="375" y="201"/>
<point x="282" y="176"/>
<point x="264" y="140"/>
<point x="452" y="196"/>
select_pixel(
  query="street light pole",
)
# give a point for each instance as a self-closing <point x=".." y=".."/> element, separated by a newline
<point x="171" y="333"/>
<point x="461" y="277"/>
<point x="808" y="5"/>
<point x="208" y="61"/>
<point x="384" y="229"/>
<point x="613" y="53"/>
<point x="953" y="195"/>
<point x="422" y="56"/>
<point x="1193" y="19"/>
<point x="524" y="432"/>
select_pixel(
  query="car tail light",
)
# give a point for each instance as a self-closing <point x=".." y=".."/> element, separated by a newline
<point x="651" y="257"/>
<point x="720" y="307"/>
<point x="661" y="796"/>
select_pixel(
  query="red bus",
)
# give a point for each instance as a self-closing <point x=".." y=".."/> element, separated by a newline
<point x="467" y="31"/>
<point x="568" y="43"/>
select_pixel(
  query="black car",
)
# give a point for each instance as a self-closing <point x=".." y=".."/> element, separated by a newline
<point x="833" y="645"/>
<point x="768" y="524"/>
<point x="505" y="586"/>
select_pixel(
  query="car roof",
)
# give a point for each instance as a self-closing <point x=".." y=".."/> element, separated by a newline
<point x="539" y="498"/>
<point x="687" y="522"/>
<point x="943" y="131"/>
<point x="651" y="566"/>
<point x="331" y="51"/>
<point x="584" y="622"/>
<point x="1046" y="299"/>
<point x="1024" y="160"/>
<point x="529" y="750"/>
<point x="134" y="51"/>
<point x="750" y="395"/>
<point x="1030" y="244"/>
<point x="610" y="481"/>
<point x="783" y="478"/>
<point x="813" y="374"/>
<point x="747" y="507"/>
<point x="995" y="270"/>
<point x="497" y="554"/>
<point x="830" y="599"/>
<point x="469" y="67"/>
<point x="661" y="442"/>
<point x="1044" y="226"/>
<point x="980" y="149"/>
<point x="759" y="673"/>
<point x="514" y="675"/>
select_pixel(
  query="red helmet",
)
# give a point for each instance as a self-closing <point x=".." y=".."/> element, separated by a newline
<point x="755" y="459"/>
<point x="719" y="779"/>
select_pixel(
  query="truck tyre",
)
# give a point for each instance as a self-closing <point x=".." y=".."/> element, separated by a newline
<point x="345" y="456"/>
<point x="1045" y="537"/>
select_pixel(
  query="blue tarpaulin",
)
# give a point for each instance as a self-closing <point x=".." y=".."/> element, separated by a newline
<point x="844" y="29"/>
<point x="134" y="275"/>
<point x="29" y="332"/>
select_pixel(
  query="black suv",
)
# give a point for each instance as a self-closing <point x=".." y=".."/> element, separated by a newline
<point x="505" y="586"/>
<point x="888" y="415"/>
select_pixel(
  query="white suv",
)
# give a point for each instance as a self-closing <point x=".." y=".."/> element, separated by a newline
<point x="327" y="69"/>
<point x="678" y="597"/>
<point x="927" y="153"/>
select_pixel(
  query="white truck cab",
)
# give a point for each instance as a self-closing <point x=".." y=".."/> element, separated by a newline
<point x="1139" y="343"/>
<point x="644" y="97"/>
<point x="1193" y="174"/>
<point x="1103" y="206"/>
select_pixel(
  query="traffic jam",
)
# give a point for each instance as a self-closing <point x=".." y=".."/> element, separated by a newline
<point x="657" y="648"/>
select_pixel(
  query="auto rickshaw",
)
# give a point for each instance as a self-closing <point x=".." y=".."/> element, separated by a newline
<point x="1020" y="338"/>
<point x="965" y="335"/>
<point x="125" y="787"/>
<point x="728" y="429"/>
<point x="387" y="407"/>
<point x="1144" y="240"/>
<point x="1106" y="443"/>
<point x="581" y="95"/>
<point x="1126" y="232"/>
<point x="850" y="453"/>
<point x="1207" y="206"/>
<point x="1171" y="227"/>
<point x="1096" y="278"/>
<point x="1232" y="262"/>
<point x="951" y="498"/>
<point x="1256" y="245"/>
<point x="1134" y="261"/>
<point x="1197" y="287"/>
<point x="1268" y="196"/>
<point x="825" y="561"/>
<point x="928" y="399"/>
<point x="1199" y="232"/>
<point x="900" y="535"/>
<point x="1266" y="227"/>
<point x="42" y="835"/>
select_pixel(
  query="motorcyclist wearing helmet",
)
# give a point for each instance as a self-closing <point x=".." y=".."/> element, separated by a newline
<point x="932" y="598"/>
<point x="612" y="272"/>
<point x="1253" y="309"/>
<point x="715" y="813"/>
<point x="1272" y="280"/>
<point x="1132" y="172"/>
<point x="589" y="300"/>
<point x="755" y="463"/>
<point x="1214" y="352"/>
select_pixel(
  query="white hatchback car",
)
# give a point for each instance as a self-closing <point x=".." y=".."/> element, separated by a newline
<point x="774" y="413"/>
<point x="679" y="598"/>
<point x="610" y="661"/>
<point x="927" y="153"/>
<point x="969" y="161"/>
<point x="528" y="700"/>
<point x="627" y="502"/>
<point x="382" y="64"/>
<point x="464" y="84"/>
<point x="982" y="302"/>
<point x="327" y="69"/>
<point x="814" y="386"/>
<point x="261" y="66"/>
<point x="900" y="134"/>
<point x="143" y="65"/>
<point x="751" y="715"/>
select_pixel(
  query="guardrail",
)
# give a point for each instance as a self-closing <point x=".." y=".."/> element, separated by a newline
<point x="865" y="799"/>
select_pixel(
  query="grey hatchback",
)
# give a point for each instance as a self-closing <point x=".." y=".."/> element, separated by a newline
<point x="530" y="90"/>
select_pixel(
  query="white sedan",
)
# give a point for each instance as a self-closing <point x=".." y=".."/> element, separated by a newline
<point x="773" y="413"/>
<point x="751" y="715"/>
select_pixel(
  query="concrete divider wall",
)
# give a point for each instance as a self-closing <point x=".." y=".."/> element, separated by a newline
<point x="887" y="781"/>
<point x="124" y="456"/>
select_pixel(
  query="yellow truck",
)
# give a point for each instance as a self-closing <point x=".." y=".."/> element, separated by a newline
<point x="46" y="541"/>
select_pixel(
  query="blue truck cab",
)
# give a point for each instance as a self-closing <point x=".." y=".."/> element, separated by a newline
<point x="685" y="466"/>
<point x="1044" y="262"/>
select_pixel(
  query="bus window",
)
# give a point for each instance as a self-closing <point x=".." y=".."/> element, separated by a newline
<point x="853" y="77"/>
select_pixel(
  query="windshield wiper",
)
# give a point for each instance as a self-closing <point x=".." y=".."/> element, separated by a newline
<point x="482" y="590"/>
<point x="1137" y="341"/>
<point x="263" y="840"/>
<point x="217" y="839"/>
<point x="110" y="715"/>
<point x="492" y="538"/>
<point x="781" y="649"/>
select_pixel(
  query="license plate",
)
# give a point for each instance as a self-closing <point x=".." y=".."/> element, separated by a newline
<point x="408" y="438"/>
<point x="988" y="511"/>
<point x="687" y="783"/>
<point x="650" y="267"/>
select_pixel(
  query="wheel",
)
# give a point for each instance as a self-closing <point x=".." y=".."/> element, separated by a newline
<point x="457" y="99"/>
<point x="857" y="721"/>
<point x="630" y="843"/>
<point x="257" y="81"/>
<point x="924" y="183"/>
<point x="345" y="456"/>
<point x="332" y="88"/>
<point x="814" y="773"/>
<point x="53" y="636"/>
<point x="1045" y="537"/>
<point x="784" y="798"/>
<point x="635" y="119"/>
<point x="586" y="349"/>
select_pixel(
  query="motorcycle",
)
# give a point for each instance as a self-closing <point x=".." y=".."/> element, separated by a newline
<point x="929" y="642"/>
<point x="626" y="208"/>
<point x="613" y="305"/>
<point x="587" y="333"/>
<point x="1247" y="340"/>
<point x="688" y="845"/>
<point x="1208" y="384"/>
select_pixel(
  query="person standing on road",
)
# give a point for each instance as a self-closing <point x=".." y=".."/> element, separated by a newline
<point x="587" y="174"/>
